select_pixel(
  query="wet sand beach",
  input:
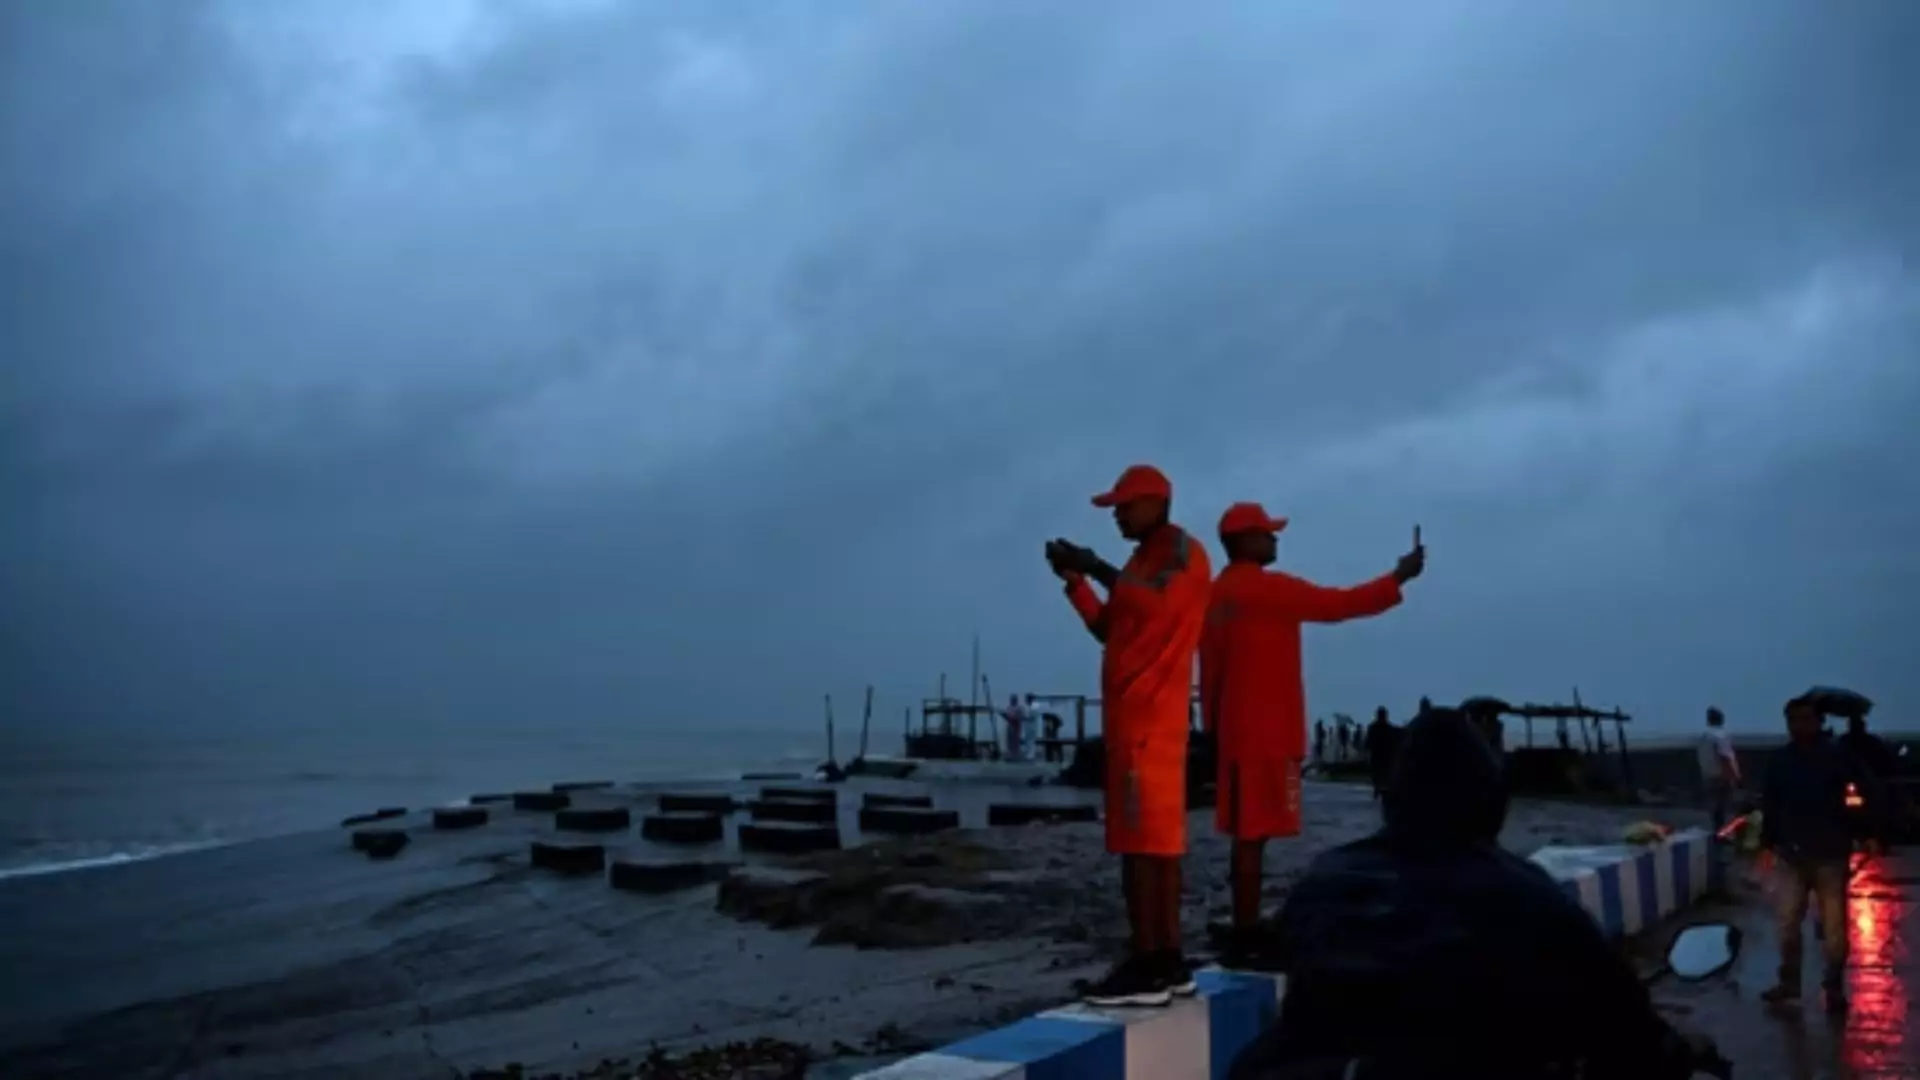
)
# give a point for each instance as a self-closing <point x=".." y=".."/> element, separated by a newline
<point x="298" y="957"/>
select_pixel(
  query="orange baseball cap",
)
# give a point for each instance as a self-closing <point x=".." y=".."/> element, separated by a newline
<point x="1246" y="517"/>
<point x="1138" y="482"/>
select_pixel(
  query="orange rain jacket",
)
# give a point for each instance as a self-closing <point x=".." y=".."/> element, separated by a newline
<point x="1252" y="695"/>
<point x="1151" y="625"/>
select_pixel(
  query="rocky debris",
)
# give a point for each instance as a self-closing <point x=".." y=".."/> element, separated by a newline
<point x="683" y="828"/>
<point x="788" y="838"/>
<point x="568" y="858"/>
<point x="915" y="917"/>
<point x="665" y="875"/>
<point x="381" y="814"/>
<point x="907" y="820"/>
<point x="875" y="799"/>
<point x="593" y="819"/>
<point x="810" y="811"/>
<point x="545" y="802"/>
<point x="1040" y="813"/>
<point x="716" y="802"/>
<point x="778" y="896"/>
<point x="582" y="785"/>
<point x="895" y="894"/>
<point x="379" y="843"/>
<point x="826" y="795"/>
<point x="760" y="1059"/>
<point x="459" y="817"/>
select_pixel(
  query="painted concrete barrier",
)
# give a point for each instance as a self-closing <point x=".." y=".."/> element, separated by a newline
<point x="1625" y="887"/>
<point x="1195" y="1037"/>
<point x="1629" y="887"/>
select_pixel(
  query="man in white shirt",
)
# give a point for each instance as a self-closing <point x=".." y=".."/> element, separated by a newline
<point x="1015" y="716"/>
<point x="1719" y="767"/>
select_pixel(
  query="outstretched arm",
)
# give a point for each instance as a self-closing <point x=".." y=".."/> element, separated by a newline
<point x="1306" y="602"/>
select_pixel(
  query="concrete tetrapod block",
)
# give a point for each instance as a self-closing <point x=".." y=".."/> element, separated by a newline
<point x="568" y="858"/>
<point x="593" y="819"/>
<point x="583" y="785"/>
<point x="381" y="814"/>
<point x="379" y="843"/>
<point x="665" y="875"/>
<point x="800" y="794"/>
<point x="788" y="837"/>
<point x="683" y="828"/>
<point x="545" y="802"/>
<point x="1030" y="813"/>
<point x="459" y="817"/>
<point x="489" y="797"/>
<point x="907" y="820"/>
<point x="879" y="798"/>
<point x="812" y="811"/>
<point x="712" y="802"/>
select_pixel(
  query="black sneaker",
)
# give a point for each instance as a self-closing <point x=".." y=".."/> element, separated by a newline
<point x="1134" y="981"/>
<point x="1179" y="974"/>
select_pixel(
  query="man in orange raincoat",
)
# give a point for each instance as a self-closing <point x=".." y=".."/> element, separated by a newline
<point x="1149" y="626"/>
<point x="1253" y="697"/>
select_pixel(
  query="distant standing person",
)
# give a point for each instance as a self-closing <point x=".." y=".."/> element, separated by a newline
<point x="1382" y="740"/>
<point x="1719" y="767"/>
<point x="1868" y="750"/>
<point x="1804" y="827"/>
<point x="1015" y="718"/>
<point x="1320" y="741"/>
<point x="1149" y="629"/>
<point x="1051" y="724"/>
<point x="1253" y="694"/>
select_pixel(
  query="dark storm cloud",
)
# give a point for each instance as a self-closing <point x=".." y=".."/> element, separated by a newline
<point x="594" y="361"/>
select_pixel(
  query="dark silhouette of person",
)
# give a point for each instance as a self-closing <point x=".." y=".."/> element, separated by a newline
<point x="1382" y="740"/>
<point x="1428" y="950"/>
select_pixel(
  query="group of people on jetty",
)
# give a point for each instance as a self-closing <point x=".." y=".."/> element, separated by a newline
<point x="1424" y="949"/>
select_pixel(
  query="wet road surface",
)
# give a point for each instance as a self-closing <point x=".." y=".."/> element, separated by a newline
<point x="1872" y="1040"/>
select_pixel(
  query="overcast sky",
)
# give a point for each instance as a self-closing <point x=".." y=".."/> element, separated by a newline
<point x="554" y="363"/>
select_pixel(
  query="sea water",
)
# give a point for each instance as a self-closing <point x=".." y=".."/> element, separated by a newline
<point x="75" y="798"/>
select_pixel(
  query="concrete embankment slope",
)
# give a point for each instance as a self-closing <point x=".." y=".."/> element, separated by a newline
<point x="1625" y="888"/>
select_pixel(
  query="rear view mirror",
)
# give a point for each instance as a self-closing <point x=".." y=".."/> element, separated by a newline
<point x="1703" y="951"/>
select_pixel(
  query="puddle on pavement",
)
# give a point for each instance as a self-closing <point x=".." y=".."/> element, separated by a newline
<point x="1871" y="1042"/>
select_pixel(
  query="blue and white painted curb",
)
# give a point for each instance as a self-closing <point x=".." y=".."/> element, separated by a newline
<point x="1190" y="1038"/>
<point x="1629" y="887"/>
<point x="1625" y="887"/>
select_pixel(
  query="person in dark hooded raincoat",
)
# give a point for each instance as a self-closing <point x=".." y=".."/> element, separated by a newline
<point x="1427" y="950"/>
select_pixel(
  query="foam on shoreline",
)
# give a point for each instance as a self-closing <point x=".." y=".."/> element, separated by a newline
<point x="136" y="853"/>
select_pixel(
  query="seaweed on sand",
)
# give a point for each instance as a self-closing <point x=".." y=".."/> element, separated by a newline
<point x="756" y="1059"/>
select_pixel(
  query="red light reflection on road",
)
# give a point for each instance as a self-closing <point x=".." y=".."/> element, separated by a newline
<point x="1875" y="1043"/>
